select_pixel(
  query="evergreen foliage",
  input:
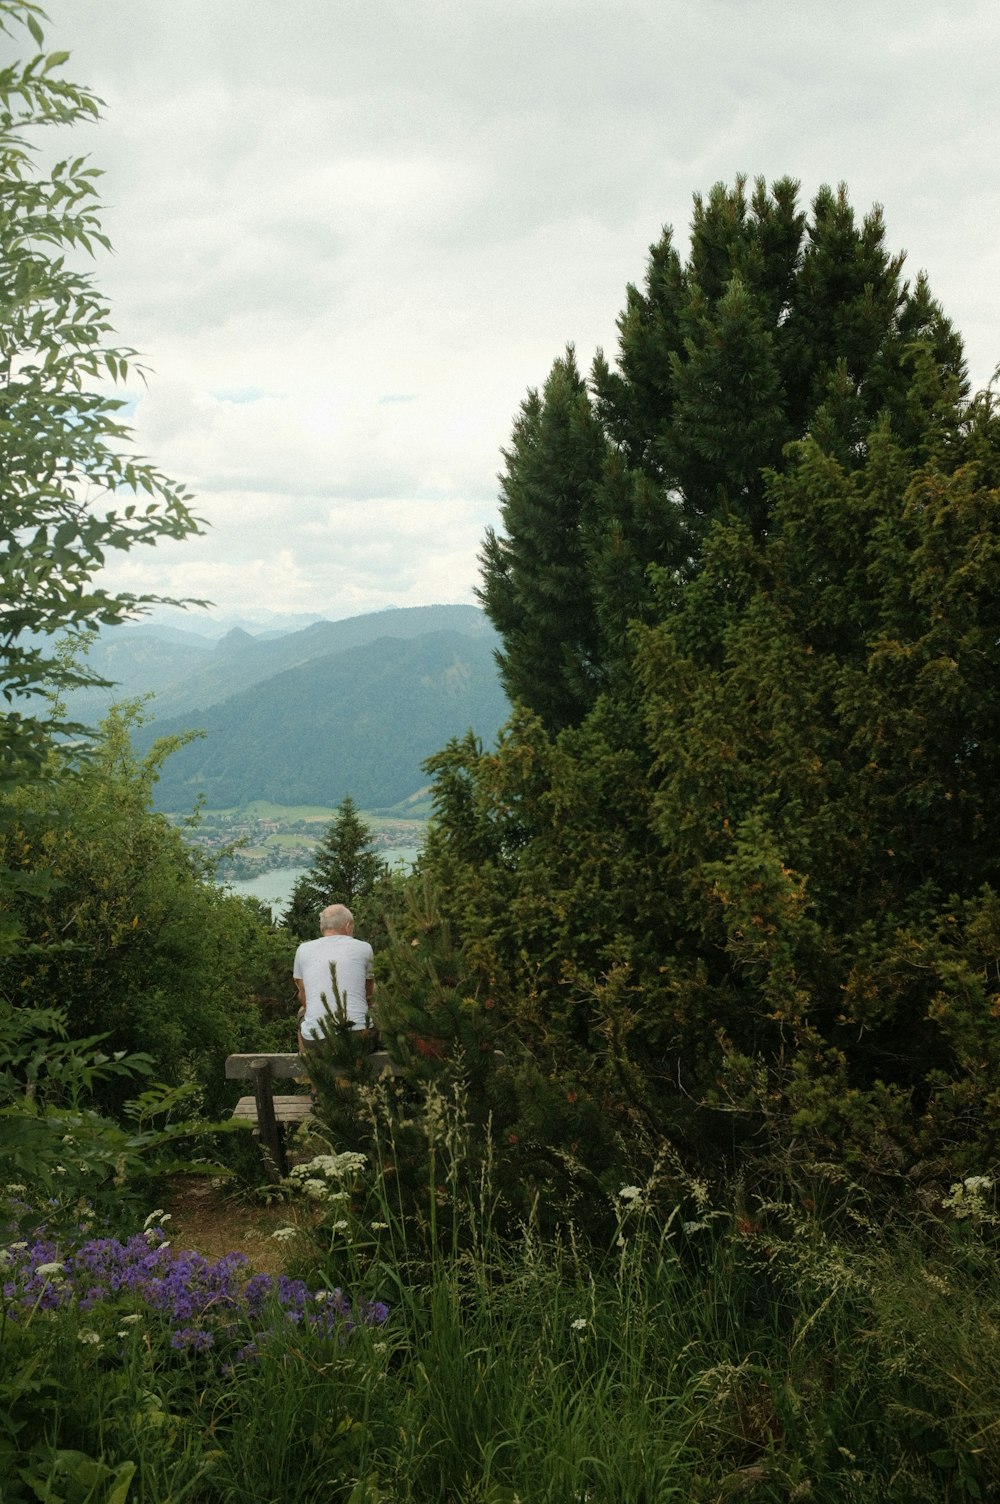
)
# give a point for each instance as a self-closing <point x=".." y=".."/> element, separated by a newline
<point x="747" y="901"/>
<point x="344" y="870"/>
<point x="780" y="324"/>
<point x="536" y="588"/>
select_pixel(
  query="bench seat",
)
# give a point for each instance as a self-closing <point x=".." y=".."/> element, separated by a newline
<point x="271" y="1114"/>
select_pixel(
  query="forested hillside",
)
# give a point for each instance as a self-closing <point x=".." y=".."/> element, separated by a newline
<point x="357" y="722"/>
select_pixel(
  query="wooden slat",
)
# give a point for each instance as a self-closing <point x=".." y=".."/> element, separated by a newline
<point x="290" y="1067"/>
<point x="240" y="1067"/>
<point x="286" y="1109"/>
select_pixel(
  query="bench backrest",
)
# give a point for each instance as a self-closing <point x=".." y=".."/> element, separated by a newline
<point x="241" y="1067"/>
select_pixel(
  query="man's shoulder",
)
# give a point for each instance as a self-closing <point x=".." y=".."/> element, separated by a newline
<point x="332" y="944"/>
<point x="307" y="947"/>
<point x="359" y="946"/>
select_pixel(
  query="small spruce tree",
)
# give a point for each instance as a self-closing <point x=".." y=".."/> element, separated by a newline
<point x="344" y="870"/>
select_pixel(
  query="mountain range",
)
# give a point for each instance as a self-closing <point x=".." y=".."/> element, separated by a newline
<point x="304" y="716"/>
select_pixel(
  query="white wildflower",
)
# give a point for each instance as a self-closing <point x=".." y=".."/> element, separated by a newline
<point x="379" y="1226"/>
<point x="18" y="1247"/>
<point x="630" y="1193"/>
<point x="699" y="1191"/>
<point x="340" y="1225"/>
<point x="130" y="1320"/>
<point x="579" y="1324"/>
<point x="967" y="1199"/>
<point x="51" y="1271"/>
<point x="351" y="1163"/>
<point x="284" y="1233"/>
<point x="92" y="1338"/>
<point x="14" y="1188"/>
<point x="155" y="1218"/>
<point x="690" y="1227"/>
<point x="332" y="1166"/>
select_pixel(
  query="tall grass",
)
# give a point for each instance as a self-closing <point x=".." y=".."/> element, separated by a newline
<point x="731" y="1354"/>
<point x="764" y="1352"/>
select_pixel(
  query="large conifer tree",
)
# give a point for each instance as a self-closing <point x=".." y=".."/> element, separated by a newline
<point x="778" y="326"/>
<point x="754" y="885"/>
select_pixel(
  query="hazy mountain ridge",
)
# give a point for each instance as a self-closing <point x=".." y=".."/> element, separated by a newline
<point x="357" y="720"/>
<point x="187" y="671"/>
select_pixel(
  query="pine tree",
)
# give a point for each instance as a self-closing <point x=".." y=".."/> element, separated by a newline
<point x="344" y="870"/>
<point x="779" y="325"/>
<point x="536" y="586"/>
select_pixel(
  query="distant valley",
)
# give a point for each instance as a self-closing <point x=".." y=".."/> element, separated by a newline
<point x="304" y="716"/>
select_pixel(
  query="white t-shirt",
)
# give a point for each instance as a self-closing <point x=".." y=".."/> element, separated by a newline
<point x="333" y="961"/>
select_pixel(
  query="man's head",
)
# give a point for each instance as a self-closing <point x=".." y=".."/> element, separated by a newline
<point x="335" y="919"/>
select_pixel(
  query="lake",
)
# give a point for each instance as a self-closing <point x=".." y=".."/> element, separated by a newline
<point x="275" y="888"/>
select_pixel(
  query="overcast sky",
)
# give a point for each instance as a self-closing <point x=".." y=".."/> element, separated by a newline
<point x="351" y="234"/>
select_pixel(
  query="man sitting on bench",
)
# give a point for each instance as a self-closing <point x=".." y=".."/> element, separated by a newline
<point x="332" y="973"/>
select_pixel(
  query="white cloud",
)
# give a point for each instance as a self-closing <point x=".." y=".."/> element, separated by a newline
<point x="321" y="208"/>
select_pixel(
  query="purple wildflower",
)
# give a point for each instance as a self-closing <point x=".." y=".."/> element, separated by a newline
<point x="192" y="1337"/>
<point x="201" y="1304"/>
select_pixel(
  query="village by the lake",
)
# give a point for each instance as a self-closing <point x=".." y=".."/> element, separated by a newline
<point x="261" y="837"/>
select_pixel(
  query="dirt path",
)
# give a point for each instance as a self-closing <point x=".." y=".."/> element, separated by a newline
<point x="209" y="1218"/>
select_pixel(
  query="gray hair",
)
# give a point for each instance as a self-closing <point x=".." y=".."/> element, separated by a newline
<point x="335" y="917"/>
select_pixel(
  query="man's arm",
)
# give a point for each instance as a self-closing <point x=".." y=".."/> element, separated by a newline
<point x="300" y="988"/>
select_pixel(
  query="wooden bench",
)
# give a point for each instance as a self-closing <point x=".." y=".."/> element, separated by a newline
<point x="269" y="1113"/>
